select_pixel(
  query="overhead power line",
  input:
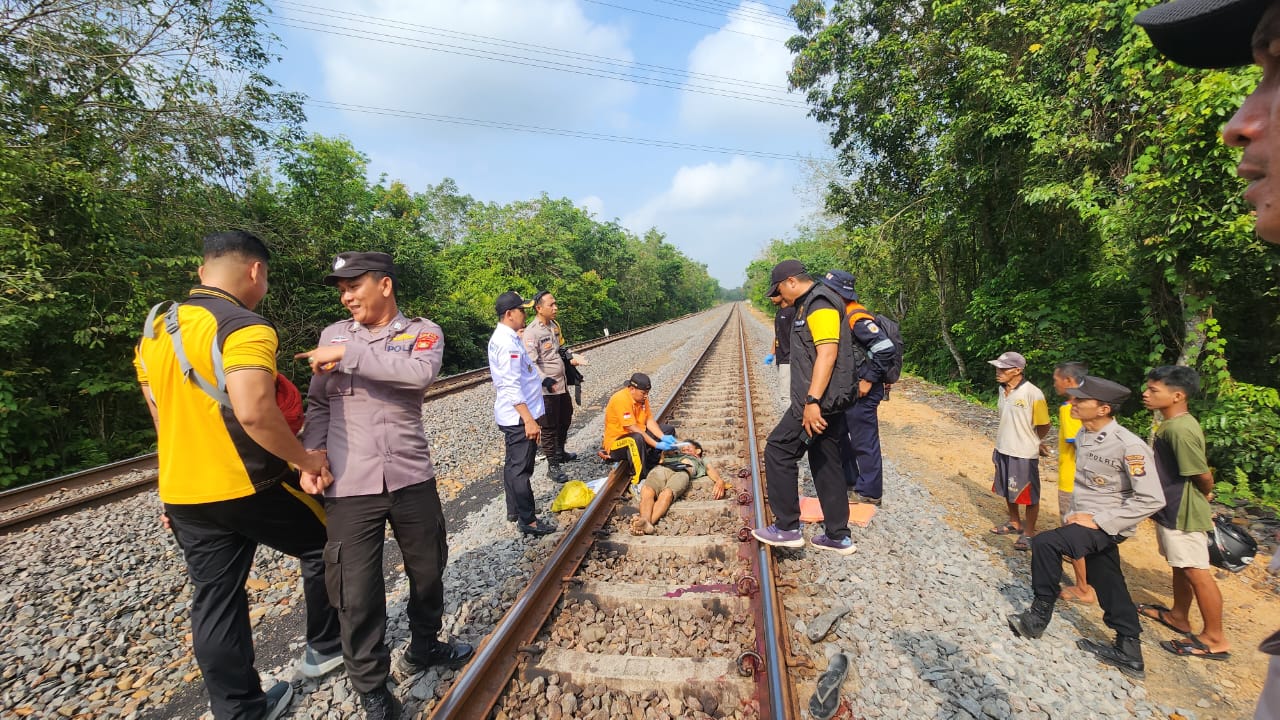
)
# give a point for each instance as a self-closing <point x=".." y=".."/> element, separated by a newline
<point x="540" y="130"/>
<point x="767" y="19"/>
<point x="388" y="39"/>
<point x="684" y="20"/>
<point x="516" y="44"/>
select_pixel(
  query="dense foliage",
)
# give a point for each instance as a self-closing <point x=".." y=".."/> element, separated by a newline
<point x="130" y="128"/>
<point x="1030" y="175"/>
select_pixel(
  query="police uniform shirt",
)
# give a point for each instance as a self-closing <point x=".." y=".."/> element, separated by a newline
<point x="367" y="410"/>
<point x="1117" y="481"/>
<point x="514" y="378"/>
<point x="873" y="341"/>
<point x="542" y="345"/>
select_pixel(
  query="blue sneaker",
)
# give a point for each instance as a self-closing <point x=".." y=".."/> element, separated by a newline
<point x="779" y="538"/>
<point x="844" y="546"/>
<point x="315" y="665"/>
<point x="278" y="699"/>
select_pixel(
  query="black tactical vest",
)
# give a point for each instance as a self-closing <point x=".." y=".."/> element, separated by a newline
<point x="842" y="389"/>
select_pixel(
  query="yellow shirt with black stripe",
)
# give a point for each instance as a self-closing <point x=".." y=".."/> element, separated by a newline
<point x="205" y="454"/>
<point x="824" y="325"/>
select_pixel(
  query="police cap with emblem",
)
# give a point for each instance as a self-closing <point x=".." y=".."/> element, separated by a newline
<point x="1204" y="33"/>
<point x="349" y="265"/>
<point x="1100" y="389"/>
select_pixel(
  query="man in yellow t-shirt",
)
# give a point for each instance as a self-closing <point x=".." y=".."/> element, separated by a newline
<point x="225" y="475"/>
<point x="1068" y="375"/>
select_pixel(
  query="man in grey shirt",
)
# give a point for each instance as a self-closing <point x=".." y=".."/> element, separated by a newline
<point x="371" y="374"/>
<point x="1117" y="485"/>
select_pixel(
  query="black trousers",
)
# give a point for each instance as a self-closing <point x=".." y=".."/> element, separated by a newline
<point x="517" y="471"/>
<point x="1101" y="554"/>
<point x="649" y="455"/>
<point x="782" y="453"/>
<point x="860" y="455"/>
<point x="353" y="563"/>
<point x="555" y="425"/>
<point x="218" y="541"/>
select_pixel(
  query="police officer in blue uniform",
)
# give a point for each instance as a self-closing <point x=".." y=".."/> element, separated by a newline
<point x="860" y="452"/>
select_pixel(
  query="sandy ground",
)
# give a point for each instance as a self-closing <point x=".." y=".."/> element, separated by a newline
<point x="945" y="442"/>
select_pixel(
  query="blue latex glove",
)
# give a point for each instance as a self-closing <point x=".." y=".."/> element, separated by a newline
<point x="670" y="440"/>
<point x="664" y="445"/>
<point x="768" y="359"/>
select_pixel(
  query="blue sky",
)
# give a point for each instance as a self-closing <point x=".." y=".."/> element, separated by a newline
<point x="720" y="209"/>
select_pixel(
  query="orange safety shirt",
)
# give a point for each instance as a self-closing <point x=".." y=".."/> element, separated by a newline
<point x="621" y="413"/>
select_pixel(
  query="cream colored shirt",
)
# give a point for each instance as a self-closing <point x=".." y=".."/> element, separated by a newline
<point x="1021" y="410"/>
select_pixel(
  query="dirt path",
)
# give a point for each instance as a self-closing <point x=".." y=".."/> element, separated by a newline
<point x="945" y="442"/>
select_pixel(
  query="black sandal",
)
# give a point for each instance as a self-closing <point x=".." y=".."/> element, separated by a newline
<point x="826" y="698"/>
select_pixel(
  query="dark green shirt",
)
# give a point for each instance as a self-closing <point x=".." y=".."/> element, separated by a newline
<point x="1180" y="454"/>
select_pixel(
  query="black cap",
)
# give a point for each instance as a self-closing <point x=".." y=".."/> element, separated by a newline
<point x="1100" y="389"/>
<point x="842" y="283"/>
<point x="1204" y="33"/>
<point x="782" y="271"/>
<point x="640" y="381"/>
<point x="508" y="301"/>
<point x="348" y="265"/>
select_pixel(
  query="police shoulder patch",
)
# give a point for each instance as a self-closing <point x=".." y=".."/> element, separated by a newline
<point x="426" y="341"/>
<point x="873" y="327"/>
<point x="1137" y="465"/>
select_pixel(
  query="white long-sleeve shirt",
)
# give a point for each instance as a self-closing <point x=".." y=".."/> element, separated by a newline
<point x="515" y="379"/>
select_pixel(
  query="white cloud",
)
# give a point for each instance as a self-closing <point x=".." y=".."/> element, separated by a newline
<point x="390" y="73"/>
<point x="733" y="52"/>
<point x="594" y="205"/>
<point x="722" y="214"/>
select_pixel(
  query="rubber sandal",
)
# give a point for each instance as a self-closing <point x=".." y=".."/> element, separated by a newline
<point x="1160" y="611"/>
<point x="1190" y="646"/>
<point x="1006" y="529"/>
<point x="1024" y="543"/>
<point x="826" y="698"/>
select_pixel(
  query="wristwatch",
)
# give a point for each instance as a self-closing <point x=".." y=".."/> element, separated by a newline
<point x="811" y="400"/>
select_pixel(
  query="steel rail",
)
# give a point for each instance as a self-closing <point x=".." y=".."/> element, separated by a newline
<point x="479" y="686"/>
<point x="772" y="640"/>
<point x="17" y="497"/>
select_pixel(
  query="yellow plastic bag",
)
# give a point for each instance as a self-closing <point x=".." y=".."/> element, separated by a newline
<point x="574" y="494"/>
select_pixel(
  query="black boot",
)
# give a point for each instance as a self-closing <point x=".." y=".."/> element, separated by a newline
<point x="380" y="704"/>
<point x="1125" y="654"/>
<point x="1032" y="622"/>
<point x="557" y="474"/>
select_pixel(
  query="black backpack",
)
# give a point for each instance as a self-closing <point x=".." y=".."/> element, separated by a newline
<point x="891" y="330"/>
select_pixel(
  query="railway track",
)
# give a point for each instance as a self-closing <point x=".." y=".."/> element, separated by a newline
<point x="688" y="619"/>
<point x="32" y="504"/>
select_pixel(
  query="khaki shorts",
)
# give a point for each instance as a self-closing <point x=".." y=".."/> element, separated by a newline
<point x="1184" y="549"/>
<point x="664" y="478"/>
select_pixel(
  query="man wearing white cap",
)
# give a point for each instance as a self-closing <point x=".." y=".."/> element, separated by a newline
<point x="1024" y="423"/>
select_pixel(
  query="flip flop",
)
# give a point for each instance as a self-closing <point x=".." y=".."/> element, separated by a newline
<point x="1160" y="611"/>
<point x="826" y="698"/>
<point x="1006" y="529"/>
<point x="1024" y="543"/>
<point x="1190" y="646"/>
